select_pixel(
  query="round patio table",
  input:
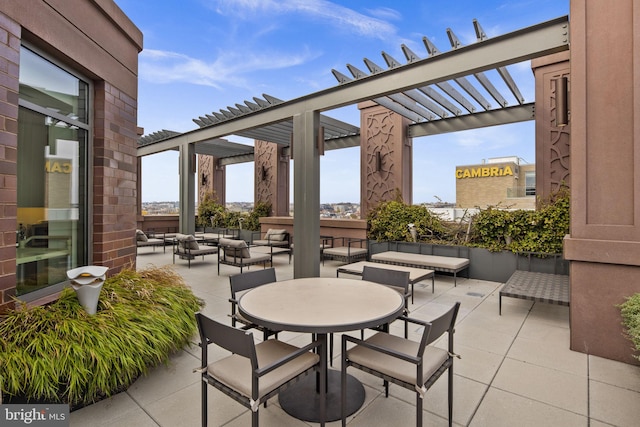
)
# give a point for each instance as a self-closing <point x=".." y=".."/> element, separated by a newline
<point x="321" y="305"/>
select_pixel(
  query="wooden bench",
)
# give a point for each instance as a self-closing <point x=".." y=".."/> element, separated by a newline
<point x="535" y="286"/>
<point x="415" y="274"/>
<point x="440" y="263"/>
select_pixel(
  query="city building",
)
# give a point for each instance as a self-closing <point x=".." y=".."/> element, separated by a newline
<point x="502" y="182"/>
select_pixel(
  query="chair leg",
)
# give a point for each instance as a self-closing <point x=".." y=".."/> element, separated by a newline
<point x="418" y="410"/>
<point x="450" y="396"/>
<point x="331" y="349"/>
<point x="343" y="384"/>
<point x="254" y="419"/>
<point x="204" y="402"/>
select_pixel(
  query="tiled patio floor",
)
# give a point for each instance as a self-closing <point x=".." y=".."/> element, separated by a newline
<point x="516" y="369"/>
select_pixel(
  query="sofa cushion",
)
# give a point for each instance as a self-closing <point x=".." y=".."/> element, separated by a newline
<point x="140" y="236"/>
<point x="237" y="248"/>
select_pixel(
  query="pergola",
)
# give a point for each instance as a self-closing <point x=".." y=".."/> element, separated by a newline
<point x="419" y="90"/>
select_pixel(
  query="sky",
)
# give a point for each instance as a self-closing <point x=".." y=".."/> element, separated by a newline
<point x="201" y="56"/>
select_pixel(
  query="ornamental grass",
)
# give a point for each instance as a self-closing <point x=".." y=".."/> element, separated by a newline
<point x="59" y="354"/>
<point x="630" y="311"/>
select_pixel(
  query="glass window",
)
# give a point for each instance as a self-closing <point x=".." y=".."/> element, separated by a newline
<point x="51" y="234"/>
<point x="530" y="183"/>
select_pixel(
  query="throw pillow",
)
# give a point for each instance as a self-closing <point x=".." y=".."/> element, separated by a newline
<point x="237" y="248"/>
<point x="276" y="235"/>
<point x="191" y="243"/>
<point x="141" y="237"/>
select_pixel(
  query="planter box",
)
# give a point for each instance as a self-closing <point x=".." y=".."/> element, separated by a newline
<point x="484" y="264"/>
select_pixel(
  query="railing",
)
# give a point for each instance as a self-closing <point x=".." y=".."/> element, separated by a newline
<point x="520" y="191"/>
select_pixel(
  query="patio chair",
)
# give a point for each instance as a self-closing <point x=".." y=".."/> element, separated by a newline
<point x="142" y="241"/>
<point x="395" y="279"/>
<point x="236" y="253"/>
<point x="273" y="237"/>
<point x="186" y="247"/>
<point x="253" y="373"/>
<point x="412" y="365"/>
<point x="348" y="251"/>
<point x="240" y="283"/>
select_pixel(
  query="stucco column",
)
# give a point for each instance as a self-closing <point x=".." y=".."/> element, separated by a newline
<point x="211" y="179"/>
<point x="187" y="189"/>
<point x="604" y="243"/>
<point x="271" y="177"/>
<point x="386" y="152"/>
<point x="306" y="195"/>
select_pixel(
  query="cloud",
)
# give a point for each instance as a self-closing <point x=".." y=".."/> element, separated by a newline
<point x="228" y="69"/>
<point x="328" y="12"/>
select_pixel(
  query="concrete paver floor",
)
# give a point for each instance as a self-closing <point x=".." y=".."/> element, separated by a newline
<point x="515" y="369"/>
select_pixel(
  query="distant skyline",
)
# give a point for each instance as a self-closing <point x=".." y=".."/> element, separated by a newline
<point x="204" y="55"/>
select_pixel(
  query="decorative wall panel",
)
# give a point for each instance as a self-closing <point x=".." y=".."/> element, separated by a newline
<point x="385" y="157"/>
<point x="553" y="142"/>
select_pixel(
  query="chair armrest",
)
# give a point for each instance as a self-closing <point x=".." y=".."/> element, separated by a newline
<point x="356" y="240"/>
<point x="388" y="351"/>
<point x="266" y="369"/>
<point x="327" y="239"/>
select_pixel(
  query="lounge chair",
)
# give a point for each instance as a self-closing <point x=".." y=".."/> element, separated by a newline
<point x="142" y="241"/>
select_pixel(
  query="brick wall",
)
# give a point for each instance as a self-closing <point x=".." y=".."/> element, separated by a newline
<point x="114" y="179"/>
<point x="9" y="60"/>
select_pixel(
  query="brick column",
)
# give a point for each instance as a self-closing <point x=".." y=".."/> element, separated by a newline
<point x="114" y="178"/>
<point x="10" y="34"/>
<point x="386" y="164"/>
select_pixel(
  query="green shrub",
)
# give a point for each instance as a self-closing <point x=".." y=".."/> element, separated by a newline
<point x="630" y="311"/>
<point x="495" y="229"/>
<point x="260" y="209"/>
<point x="542" y="230"/>
<point x="211" y="213"/>
<point x="59" y="353"/>
<point x="389" y="221"/>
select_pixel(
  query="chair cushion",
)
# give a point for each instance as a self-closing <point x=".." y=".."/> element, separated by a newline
<point x="235" y="371"/>
<point x="238" y="248"/>
<point x="276" y="234"/>
<point x="405" y="371"/>
<point x="421" y="260"/>
<point x="140" y="236"/>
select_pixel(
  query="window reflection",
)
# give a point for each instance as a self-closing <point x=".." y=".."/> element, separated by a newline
<point x="52" y="144"/>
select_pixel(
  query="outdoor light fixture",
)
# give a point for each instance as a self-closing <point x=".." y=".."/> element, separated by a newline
<point x="378" y="162"/>
<point x="204" y="179"/>
<point x="263" y="173"/>
<point x="562" y="106"/>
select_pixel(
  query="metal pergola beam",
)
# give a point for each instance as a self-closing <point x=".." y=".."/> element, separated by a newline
<point x="528" y="43"/>
<point x="519" y="113"/>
